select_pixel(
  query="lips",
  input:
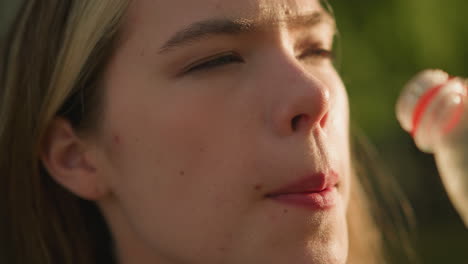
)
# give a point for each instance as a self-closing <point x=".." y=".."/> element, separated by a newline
<point x="315" y="191"/>
<point x="312" y="183"/>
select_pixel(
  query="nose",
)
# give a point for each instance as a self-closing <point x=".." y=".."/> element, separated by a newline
<point x="303" y="100"/>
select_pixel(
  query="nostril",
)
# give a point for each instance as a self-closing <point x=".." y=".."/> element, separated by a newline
<point x="323" y="121"/>
<point x="297" y="120"/>
<point x="294" y="122"/>
<point x="303" y="119"/>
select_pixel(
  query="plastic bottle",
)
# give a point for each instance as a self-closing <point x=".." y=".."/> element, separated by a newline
<point x="433" y="107"/>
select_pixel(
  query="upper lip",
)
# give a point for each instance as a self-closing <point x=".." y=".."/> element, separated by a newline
<point x="311" y="183"/>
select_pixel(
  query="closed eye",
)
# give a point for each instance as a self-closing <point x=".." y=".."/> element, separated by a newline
<point x="214" y="62"/>
<point x="317" y="53"/>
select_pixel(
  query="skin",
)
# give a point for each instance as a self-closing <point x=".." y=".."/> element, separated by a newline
<point x="182" y="161"/>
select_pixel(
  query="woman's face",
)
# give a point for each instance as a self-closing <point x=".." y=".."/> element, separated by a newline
<point x="224" y="120"/>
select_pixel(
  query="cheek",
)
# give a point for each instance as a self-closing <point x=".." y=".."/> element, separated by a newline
<point x="338" y="130"/>
<point x="175" y="173"/>
<point x="338" y="125"/>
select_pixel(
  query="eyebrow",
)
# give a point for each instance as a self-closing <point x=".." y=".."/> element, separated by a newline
<point x="212" y="27"/>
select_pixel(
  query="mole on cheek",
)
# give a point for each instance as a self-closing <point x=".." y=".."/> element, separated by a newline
<point x="222" y="249"/>
<point x="116" y="139"/>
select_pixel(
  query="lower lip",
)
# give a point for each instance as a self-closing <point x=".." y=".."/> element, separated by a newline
<point x="323" y="200"/>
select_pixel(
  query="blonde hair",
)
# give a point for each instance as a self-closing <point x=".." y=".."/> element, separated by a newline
<point x="55" y="54"/>
<point x="53" y="62"/>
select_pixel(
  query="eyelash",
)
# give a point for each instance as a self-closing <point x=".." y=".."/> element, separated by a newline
<point x="232" y="57"/>
<point x="215" y="61"/>
<point x="318" y="53"/>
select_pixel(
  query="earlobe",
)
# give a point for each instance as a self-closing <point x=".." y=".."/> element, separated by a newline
<point x="70" y="161"/>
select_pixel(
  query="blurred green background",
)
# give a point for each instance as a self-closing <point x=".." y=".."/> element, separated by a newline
<point x="382" y="45"/>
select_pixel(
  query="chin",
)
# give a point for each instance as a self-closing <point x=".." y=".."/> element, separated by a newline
<point x="318" y="257"/>
<point x="332" y="253"/>
<point x="328" y="248"/>
<point x="336" y="255"/>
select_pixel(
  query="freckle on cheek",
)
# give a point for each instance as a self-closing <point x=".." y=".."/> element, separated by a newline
<point x="182" y="172"/>
<point x="222" y="249"/>
<point x="258" y="187"/>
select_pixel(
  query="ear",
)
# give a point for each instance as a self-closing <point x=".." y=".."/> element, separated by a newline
<point x="71" y="161"/>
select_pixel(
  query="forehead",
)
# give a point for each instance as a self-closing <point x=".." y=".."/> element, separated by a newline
<point x="159" y="19"/>
<point x="192" y="9"/>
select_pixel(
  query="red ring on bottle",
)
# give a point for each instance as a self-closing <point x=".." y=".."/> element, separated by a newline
<point x="423" y="103"/>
